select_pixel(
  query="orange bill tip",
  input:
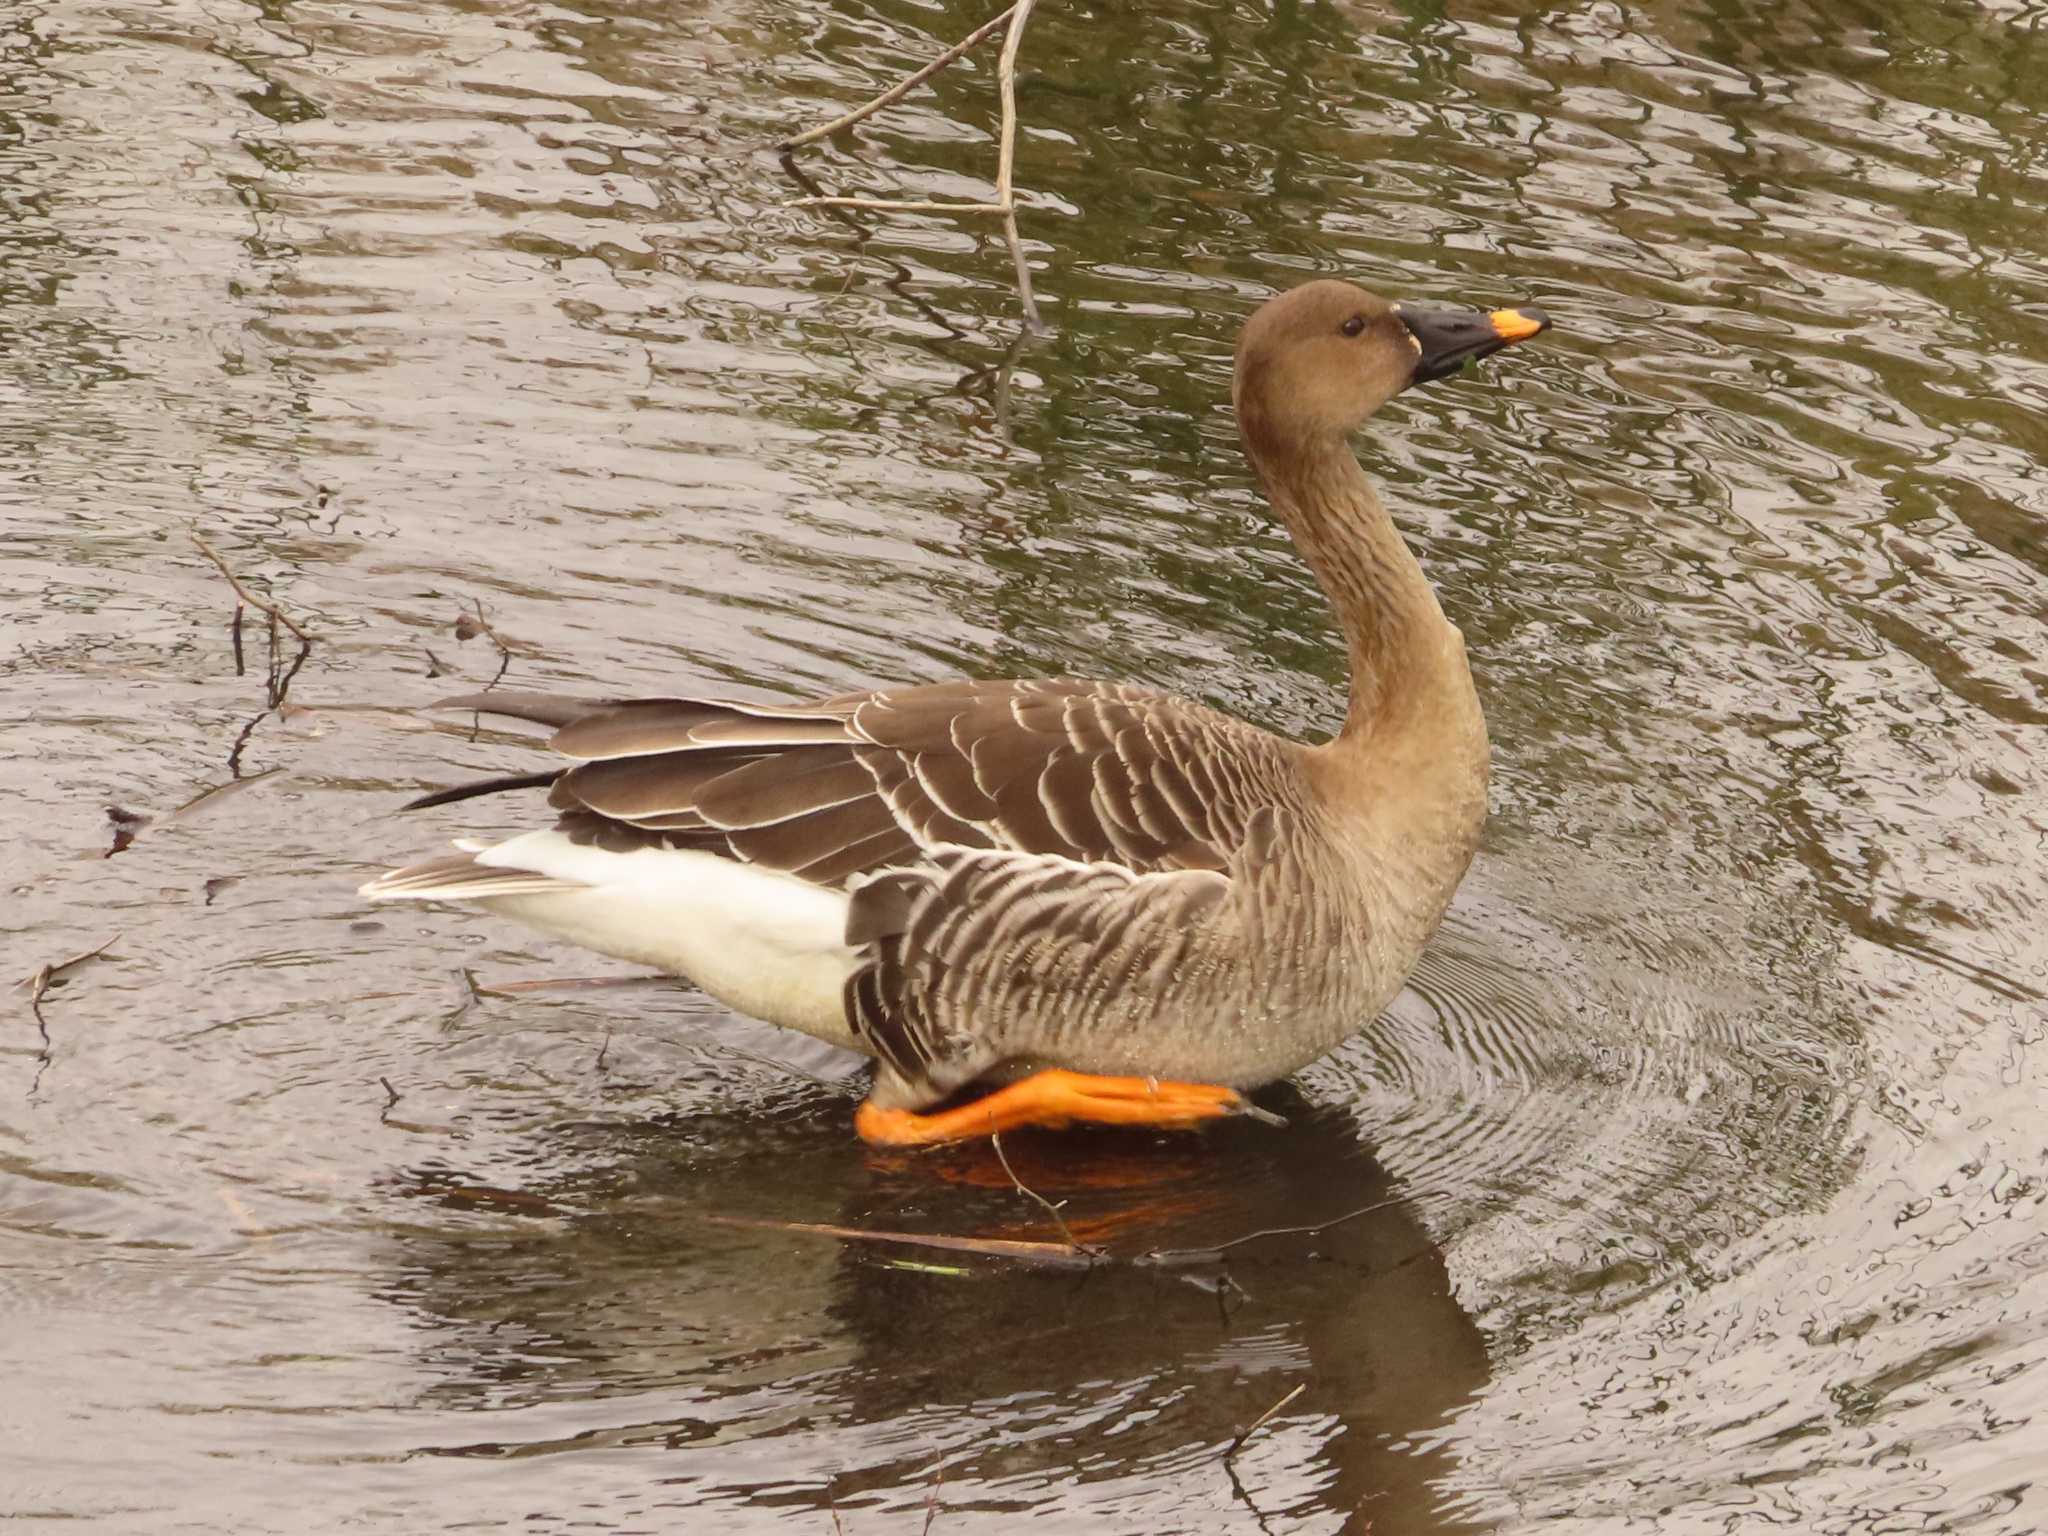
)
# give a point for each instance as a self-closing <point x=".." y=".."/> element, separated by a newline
<point x="1513" y="325"/>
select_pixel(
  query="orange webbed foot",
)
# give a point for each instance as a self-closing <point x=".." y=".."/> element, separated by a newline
<point x="1055" y="1098"/>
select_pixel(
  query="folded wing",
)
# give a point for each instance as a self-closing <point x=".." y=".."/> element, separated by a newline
<point x="1060" y="819"/>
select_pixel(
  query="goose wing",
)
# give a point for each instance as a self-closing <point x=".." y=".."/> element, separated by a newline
<point x="1072" y="819"/>
<point x="852" y="786"/>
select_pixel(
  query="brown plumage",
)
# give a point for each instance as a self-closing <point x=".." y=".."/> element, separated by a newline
<point x="994" y="877"/>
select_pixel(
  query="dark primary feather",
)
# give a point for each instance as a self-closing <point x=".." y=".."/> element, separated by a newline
<point x="482" y="787"/>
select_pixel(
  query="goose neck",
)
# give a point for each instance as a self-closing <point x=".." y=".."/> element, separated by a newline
<point x="1404" y="655"/>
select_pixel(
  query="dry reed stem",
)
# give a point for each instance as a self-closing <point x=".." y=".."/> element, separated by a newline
<point x="1256" y="1424"/>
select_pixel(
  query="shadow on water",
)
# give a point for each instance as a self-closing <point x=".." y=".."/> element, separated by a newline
<point x="862" y="1374"/>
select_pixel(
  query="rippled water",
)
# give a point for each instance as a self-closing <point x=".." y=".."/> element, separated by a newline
<point x="1697" y="1183"/>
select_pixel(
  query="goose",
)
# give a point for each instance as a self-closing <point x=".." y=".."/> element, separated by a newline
<point x="1045" y="901"/>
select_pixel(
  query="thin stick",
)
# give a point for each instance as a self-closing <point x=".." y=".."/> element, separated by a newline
<point x="38" y="985"/>
<point x="1006" y="80"/>
<point x="1006" y="83"/>
<point x="394" y="1094"/>
<point x="995" y="1139"/>
<point x="1016" y="245"/>
<point x="1238" y="1444"/>
<point x="903" y="87"/>
<point x="40" y="982"/>
<point x="1004" y="206"/>
<point x="244" y="593"/>
<point x="483" y="626"/>
<point x="1312" y="1229"/>
<point x="235" y="630"/>
<point x="896" y="205"/>
<point x="931" y="1499"/>
<point x="1069" y="1252"/>
<point x="1057" y="1253"/>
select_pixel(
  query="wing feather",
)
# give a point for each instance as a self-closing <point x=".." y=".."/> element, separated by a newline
<point x="637" y="788"/>
<point x="1086" y="772"/>
<point x="644" y="727"/>
<point x="785" y="786"/>
<point x="1068" y="833"/>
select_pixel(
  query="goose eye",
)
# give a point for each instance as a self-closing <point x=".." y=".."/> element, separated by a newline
<point x="1354" y="325"/>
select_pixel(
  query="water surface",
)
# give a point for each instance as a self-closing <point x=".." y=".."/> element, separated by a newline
<point x="1697" y="1181"/>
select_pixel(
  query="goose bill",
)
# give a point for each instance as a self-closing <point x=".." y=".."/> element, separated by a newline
<point x="1447" y="339"/>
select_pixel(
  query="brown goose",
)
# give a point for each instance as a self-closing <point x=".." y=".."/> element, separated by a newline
<point x="1091" y="901"/>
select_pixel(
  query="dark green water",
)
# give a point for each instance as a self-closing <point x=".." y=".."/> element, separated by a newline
<point x="1700" y="1177"/>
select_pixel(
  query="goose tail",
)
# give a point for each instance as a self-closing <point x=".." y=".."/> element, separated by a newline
<point x="459" y="877"/>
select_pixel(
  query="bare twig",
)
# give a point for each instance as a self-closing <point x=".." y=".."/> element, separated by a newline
<point x="604" y="1050"/>
<point x="931" y="1499"/>
<point x="392" y="1094"/>
<point x="242" y="592"/>
<point x="1006" y="79"/>
<point x="1004" y="205"/>
<point x="472" y="994"/>
<point x="901" y="88"/>
<point x="468" y="626"/>
<point x="38" y="986"/>
<point x="895" y="205"/>
<point x="995" y="1140"/>
<point x="1238" y="1444"/>
<point x="1310" y="1229"/>
<point x="1044" y="1253"/>
<point x="39" y="983"/>
<point x="1068" y="1253"/>
<point x="1006" y="82"/>
<point x="280" y="677"/>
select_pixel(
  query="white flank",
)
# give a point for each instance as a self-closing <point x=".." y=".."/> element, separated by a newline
<point x="765" y="943"/>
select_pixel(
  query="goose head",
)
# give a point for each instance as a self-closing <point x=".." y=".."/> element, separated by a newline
<point x="1315" y="362"/>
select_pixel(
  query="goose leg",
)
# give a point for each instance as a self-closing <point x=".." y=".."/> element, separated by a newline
<point x="1055" y="1098"/>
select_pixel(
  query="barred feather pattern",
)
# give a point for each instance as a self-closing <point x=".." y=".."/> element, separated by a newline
<point x="1042" y="871"/>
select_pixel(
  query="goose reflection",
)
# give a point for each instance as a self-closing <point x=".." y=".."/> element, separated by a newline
<point x="771" y="1366"/>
